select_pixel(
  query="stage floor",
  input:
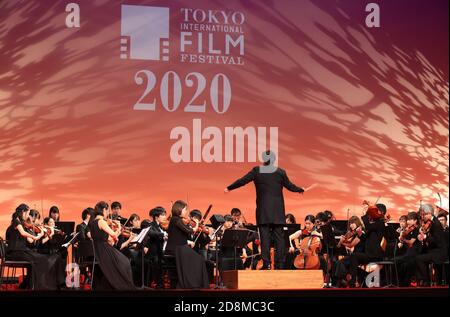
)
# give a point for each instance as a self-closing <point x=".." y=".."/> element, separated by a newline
<point x="228" y="293"/>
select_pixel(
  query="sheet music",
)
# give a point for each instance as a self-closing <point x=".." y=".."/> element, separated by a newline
<point x="140" y="236"/>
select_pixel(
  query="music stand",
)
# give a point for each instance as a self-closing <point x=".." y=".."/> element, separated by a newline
<point x="235" y="239"/>
<point x="139" y="239"/>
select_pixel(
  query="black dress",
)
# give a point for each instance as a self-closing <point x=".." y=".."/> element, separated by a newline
<point x="191" y="267"/>
<point x="43" y="275"/>
<point x="115" y="267"/>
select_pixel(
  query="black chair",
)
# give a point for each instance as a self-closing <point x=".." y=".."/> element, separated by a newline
<point x="86" y="257"/>
<point x="169" y="266"/>
<point x="14" y="265"/>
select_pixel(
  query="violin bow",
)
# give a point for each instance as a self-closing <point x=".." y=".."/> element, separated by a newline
<point x="202" y="221"/>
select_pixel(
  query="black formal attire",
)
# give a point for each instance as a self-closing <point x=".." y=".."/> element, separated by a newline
<point x="191" y="267"/>
<point x="270" y="211"/>
<point x="373" y="251"/>
<point x="115" y="268"/>
<point x="43" y="272"/>
<point x="406" y="263"/>
<point x="436" y="250"/>
<point x="154" y="241"/>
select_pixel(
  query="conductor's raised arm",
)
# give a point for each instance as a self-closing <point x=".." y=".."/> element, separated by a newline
<point x="291" y="186"/>
<point x="250" y="176"/>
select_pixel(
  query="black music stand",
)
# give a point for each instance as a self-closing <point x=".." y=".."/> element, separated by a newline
<point x="235" y="239"/>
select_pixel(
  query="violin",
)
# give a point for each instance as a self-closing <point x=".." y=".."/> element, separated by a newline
<point x="373" y="212"/>
<point x="426" y="226"/>
<point x="406" y="232"/>
<point x="349" y="236"/>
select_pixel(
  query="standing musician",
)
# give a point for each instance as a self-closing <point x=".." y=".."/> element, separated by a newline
<point x="270" y="212"/>
<point x="432" y="236"/>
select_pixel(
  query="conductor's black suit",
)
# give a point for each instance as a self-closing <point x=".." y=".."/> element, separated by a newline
<point x="270" y="212"/>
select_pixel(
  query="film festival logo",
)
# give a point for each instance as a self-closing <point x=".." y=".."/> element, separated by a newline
<point x="145" y="33"/>
<point x="206" y="37"/>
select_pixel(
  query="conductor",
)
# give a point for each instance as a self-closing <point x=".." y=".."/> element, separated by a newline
<point x="270" y="213"/>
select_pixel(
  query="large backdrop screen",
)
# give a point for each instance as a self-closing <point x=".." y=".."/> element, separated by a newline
<point x="147" y="102"/>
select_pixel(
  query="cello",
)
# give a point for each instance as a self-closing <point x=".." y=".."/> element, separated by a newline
<point x="308" y="258"/>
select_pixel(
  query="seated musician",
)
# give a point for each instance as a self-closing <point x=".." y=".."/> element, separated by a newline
<point x="231" y="258"/>
<point x="290" y="219"/>
<point x="300" y="234"/>
<point x="352" y="241"/>
<point x="372" y="250"/>
<point x="238" y="217"/>
<point x="432" y="235"/>
<point x="125" y="245"/>
<point x="412" y="246"/>
<point x="191" y="268"/>
<point x="54" y="213"/>
<point x="401" y="247"/>
<point x="155" y="244"/>
<point x="43" y="275"/>
<point x="83" y="228"/>
<point x="115" y="269"/>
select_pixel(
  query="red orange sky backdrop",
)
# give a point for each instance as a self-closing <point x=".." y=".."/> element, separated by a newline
<point x="362" y="112"/>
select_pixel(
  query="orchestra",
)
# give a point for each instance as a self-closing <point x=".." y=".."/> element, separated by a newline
<point x="183" y="248"/>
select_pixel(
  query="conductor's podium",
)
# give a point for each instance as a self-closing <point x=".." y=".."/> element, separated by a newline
<point x="273" y="279"/>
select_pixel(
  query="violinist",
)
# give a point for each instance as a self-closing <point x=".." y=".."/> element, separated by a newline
<point x="408" y="241"/>
<point x="116" y="208"/>
<point x="203" y="234"/>
<point x="155" y="243"/>
<point x="432" y="236"/>
<point x="115" y="269"/>
<point x="54" y="213"/>
<point x="48" y="244"/>
<point x="42" y="275"/>
<point x="238" y="218"/>
<point x="290" y="219"/>
<point x="231" y="258"/>
<point x="375" y="227"/>
<point x="401" y="248"/>
<point x="125" y="245"/>
<point x="191" y="266"/>
<point x="83" y="228"/>
<point x="33" y="226"/>
<point x="352" y="241"/>
<point x="442" y="216"/>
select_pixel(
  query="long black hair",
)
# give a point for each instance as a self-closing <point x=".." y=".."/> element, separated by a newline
<point x="99" y="208"/>
<point x="19" y="212"/>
